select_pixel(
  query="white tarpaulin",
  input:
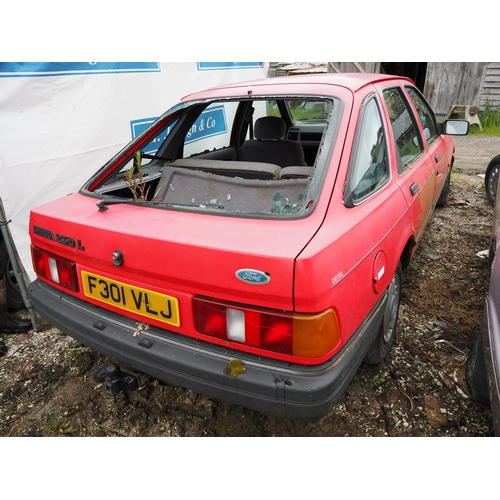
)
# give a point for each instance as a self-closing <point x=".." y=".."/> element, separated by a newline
<point x="60" y="122"/>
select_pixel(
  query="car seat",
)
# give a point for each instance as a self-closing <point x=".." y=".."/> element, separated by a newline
<point x="269" y="147"/>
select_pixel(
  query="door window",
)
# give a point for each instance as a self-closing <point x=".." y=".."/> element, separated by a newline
<point x="425" y="115"/>
<point x="405" y="131"/>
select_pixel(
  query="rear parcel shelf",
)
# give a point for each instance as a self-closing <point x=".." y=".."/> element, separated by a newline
<point x="244" y="169"/>
<point x="235" y="194"/>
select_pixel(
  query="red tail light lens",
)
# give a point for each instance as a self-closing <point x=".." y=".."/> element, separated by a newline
<point x="54" y="268"/>
<point x="298" y="335"/>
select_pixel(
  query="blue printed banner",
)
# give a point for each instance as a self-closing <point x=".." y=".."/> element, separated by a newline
<point x="137" y="126"/>
<point x="211" y="122"/>
<point x="228" y="65"/>
<point x="30" y="69"/>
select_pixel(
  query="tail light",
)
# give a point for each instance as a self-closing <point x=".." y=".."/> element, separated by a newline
<point x="54" y="268"/>
<point x="297" y="335"/>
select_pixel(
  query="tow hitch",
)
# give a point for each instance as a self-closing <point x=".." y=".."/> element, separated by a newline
<point x="114" y="379"/>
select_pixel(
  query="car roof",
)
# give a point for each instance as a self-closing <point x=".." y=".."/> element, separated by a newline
<point x="351" y="81"/>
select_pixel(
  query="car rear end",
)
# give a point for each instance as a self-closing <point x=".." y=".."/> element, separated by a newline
<point x="178" y="258"/>
<point x="201" y="301"/>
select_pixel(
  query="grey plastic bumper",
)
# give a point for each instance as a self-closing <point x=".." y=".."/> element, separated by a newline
<point x="294" y="391"/>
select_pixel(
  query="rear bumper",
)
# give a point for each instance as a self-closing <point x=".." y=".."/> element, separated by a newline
<point x="294" y="391"/>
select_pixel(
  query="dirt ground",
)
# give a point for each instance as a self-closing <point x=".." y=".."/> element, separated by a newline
<point x="47" y="386"/>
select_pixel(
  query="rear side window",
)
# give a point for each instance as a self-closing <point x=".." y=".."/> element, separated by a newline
<point x="405" y="131"/>
<point x="369" y="169"/>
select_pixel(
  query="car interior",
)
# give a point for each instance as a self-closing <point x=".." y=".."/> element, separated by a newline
<point x="243" y="156"/>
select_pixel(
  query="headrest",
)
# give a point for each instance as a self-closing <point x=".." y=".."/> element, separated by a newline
<point x="269" y="127"/>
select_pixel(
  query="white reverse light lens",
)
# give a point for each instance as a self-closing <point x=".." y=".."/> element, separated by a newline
<point x="235" y="321"/>
<point x="53" y="270"/>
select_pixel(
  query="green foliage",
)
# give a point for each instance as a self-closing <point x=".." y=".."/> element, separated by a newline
<point x="490" y="121"/>
<point x="302" y="110"/>
<point x="135" y="179"/>
<point x="54" y="427"/>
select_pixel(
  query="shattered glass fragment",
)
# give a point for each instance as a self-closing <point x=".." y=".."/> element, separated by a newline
<point x="287" y="208"/>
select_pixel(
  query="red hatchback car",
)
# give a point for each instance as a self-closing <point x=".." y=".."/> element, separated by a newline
<point x="249" y="244"/>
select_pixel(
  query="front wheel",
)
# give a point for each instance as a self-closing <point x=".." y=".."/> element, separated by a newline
<point x="443" y="197"/>
<point x="386" y="334"/>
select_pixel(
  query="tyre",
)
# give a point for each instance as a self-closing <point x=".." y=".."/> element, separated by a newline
<point x="475" y="373"/>
<point x="443" y="197"/>
<point x="491" y="253"/>
<point x="14" y="297"/>
<point x="386" y="334"/>
<point x="491" y="179"/>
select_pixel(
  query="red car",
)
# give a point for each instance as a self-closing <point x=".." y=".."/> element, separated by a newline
<point x="249" y="244"/>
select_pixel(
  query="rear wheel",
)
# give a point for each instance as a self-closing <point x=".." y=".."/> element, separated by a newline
<point x="475" y="373"/>
<point x="384" y="340"/>
<point x="14" y="297"/>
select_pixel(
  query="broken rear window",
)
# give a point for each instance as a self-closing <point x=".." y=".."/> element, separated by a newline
<point x="252" y="157"/>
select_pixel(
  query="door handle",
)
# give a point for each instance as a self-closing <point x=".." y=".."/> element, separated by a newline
<point x="437" y="158"/>
<point x="414" y="189"/>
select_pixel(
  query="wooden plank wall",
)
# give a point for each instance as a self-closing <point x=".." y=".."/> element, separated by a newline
<point x="490" y="91"/>
<point x="449" y="83"/>
<point x="354" y="67"/>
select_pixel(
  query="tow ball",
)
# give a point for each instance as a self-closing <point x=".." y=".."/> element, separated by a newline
<point x="115" y="380"/>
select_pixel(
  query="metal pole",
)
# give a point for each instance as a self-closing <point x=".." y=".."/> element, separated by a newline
<point x="19" y="271"/>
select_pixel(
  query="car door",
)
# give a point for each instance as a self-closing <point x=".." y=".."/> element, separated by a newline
<point x="415" y="169"/>
<point x="437" y="146"/>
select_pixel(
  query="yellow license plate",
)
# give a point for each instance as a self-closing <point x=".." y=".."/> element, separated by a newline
<point x="132" y="298"/>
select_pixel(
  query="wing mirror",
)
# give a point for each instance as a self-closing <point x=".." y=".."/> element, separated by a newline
<point x="455" y="127"/>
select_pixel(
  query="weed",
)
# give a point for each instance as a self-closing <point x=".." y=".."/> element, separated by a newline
<point x="51" y="426"/>
<point x="490" y="121"/>
<point x="54" y="427"/>
<point x="135" y="179"/>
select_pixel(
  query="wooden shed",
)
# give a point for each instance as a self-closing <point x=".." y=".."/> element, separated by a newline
<point x="444" y="84"/>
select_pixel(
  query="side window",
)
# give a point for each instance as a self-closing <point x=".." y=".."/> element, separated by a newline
<point x="406" y="134"/>
<point x="369" y="169"/>
<point x="425" y="114"/>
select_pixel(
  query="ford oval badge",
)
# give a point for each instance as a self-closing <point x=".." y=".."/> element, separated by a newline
<point x="253" y="277"/>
